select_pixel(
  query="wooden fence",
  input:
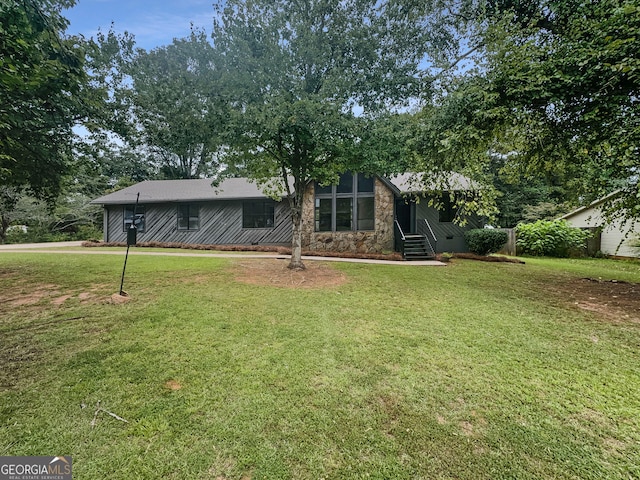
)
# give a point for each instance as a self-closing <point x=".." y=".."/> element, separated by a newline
<point x="509" y="247"/>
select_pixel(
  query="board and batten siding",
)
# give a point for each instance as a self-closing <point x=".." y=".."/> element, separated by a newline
<point x="220" y="224"/>
<point x="450" y="235"/>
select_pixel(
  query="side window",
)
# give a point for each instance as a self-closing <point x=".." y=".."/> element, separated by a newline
<point x="134" y="214"/>
<point x="188" y="217"/>
<point x="448" y="211"/>
<point x="258" y="214"/>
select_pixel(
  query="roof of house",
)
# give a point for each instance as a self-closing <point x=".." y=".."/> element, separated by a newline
<point x="594" y="204"/>
<point x="200" y="190"/>
<point x="414" y="183"/>
<point x="195" y="190"/>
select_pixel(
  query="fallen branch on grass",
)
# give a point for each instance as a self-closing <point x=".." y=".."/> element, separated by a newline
<point x="100" y="409"/>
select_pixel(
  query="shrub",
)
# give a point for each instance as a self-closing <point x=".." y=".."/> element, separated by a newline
<point x="38" y="234"/>
<point x="483" y="241"/>
<point x="554" y="238"/>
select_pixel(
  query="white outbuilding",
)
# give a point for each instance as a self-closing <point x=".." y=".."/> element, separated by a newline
<point x="617" y="237"/>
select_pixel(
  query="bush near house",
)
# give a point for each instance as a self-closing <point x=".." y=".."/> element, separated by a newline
<point x="484" y="241"/>
<point x="554" y="238"/>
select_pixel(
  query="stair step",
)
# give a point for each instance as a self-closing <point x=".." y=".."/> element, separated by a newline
<point x="416" y="247"/>
<point x="419" y="257"/>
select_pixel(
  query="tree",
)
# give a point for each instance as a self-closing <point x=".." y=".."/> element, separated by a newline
<point x="9" y="197"/>
<point x="43" y="93"/>
<point x="177" y="107"/>
<point x="571" y="71"/>
<point x="296" y="71"/>
<point x="561" y="80"/>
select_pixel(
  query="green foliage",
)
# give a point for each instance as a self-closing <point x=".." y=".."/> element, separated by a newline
<point x="177" y="105"/>
<point x="571" y="74"/>
<point x="43" y="93"/>
<point x="295" y="71"/>
<point x="484" y="241"/>
<point x="446" y="139"/>
<point x="555" y="95"/>
<point x="38" y="234"/>
<point x="72" y="218"/>
<point x="555" y="238"/>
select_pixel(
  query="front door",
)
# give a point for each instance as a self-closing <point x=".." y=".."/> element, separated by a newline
<point x="406" y="215"/>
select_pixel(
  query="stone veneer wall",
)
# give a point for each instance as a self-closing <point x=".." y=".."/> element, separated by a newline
<point x="373" y="241"/>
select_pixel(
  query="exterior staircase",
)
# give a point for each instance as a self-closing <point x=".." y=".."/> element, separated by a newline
<point x="415" y="246"/>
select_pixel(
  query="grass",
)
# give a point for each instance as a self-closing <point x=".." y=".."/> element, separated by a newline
<point x="471" y="371"/>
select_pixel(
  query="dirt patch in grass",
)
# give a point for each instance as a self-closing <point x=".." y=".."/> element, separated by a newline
<point x="173" y="385"/>
<point x="17" y="297"/>
<point x="612" y="301"/>
<point x="21" y="294"/>
<point x="275" y="273"/>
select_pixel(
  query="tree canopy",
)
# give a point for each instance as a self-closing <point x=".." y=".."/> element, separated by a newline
<point x="177" y="106"/>
<point x="296" y="73"/>
<point x="43" y="93"/>
<point x="556" y="93"/>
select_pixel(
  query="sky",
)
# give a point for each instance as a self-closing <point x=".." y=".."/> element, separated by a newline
<point x="153" y="22"/>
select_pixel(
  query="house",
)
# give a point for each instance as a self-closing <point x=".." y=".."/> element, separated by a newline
<point x="617" y="237"/>
<point x="361" y="214"/>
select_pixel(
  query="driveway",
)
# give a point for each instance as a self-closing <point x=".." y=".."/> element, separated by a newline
<point x="45" y="248"/>
<point x="24" y="246"/>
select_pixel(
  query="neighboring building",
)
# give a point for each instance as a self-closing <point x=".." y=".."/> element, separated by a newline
<point x="617" y="238"/>
<point x="360" y="214"/>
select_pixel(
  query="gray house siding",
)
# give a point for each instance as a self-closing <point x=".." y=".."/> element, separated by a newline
<point x="450" y="235"/>
<point x="220" y="224"/>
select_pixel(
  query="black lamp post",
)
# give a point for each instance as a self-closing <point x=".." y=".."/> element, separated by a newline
<point x="132" y="235"/>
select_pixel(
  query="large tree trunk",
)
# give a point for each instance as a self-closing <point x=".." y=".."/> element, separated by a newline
<point x="296" y="243"/>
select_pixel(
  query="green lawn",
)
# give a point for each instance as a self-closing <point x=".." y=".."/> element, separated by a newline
<point x="470" y="371"/>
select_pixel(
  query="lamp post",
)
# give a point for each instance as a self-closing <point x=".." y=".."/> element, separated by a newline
<point x="132" y="234"/>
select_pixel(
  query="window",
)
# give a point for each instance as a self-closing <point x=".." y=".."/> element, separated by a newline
<point x="134" y="214"/>
<point x="258" y="214"/>
<point x="365" y="213"/>
<point x="347" y="206"/>
<point x="365" y="184"/>
<point x="188" y="217"/>
<point x="447" y="213"/>
<point x="323" y="214"/>
<point x="344" y="214"/>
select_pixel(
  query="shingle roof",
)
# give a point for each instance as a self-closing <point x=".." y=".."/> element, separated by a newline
<point x="200" y="190"/>
<point x="160" y="191"/>
<point x="412" y="183"/>
<point x="593" y="204"/>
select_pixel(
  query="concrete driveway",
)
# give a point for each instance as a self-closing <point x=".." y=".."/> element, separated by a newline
<point x="25" y="246"/>
<point x="49" y="248"/>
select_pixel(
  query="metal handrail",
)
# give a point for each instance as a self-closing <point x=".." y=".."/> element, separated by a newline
<point x="398" y="243"/>
<point x="399" y="229"/>
<point x="430" y="231"/>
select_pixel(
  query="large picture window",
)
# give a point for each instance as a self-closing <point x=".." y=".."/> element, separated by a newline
<point x="133" y="214"/>
<point x="258" y="214"/>
<point x="188" y="217"/>
<point x="349" y="205"/>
